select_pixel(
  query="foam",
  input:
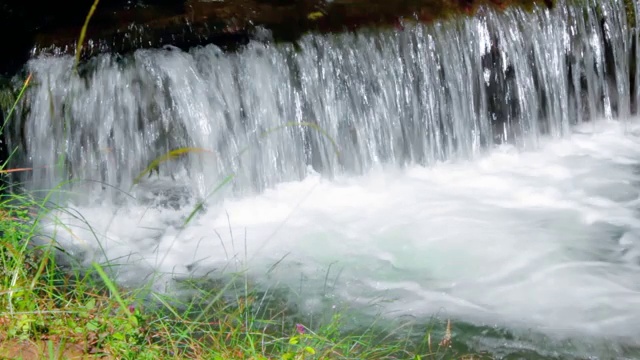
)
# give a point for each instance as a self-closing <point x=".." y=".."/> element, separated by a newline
<point x="546" y="239"/>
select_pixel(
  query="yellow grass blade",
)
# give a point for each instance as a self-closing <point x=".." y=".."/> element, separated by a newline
<point x="15" y="103"/>
<point x="166" y="157"/>
<point x="83" y="32"/>
<point x="15" y="170"/>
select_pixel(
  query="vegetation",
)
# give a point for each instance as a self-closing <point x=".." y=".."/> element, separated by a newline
<point x="630" y="8"/>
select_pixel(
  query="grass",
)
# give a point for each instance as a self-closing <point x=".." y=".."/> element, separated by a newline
<point x="53" y="309"/>
<point x="83" y="32"/>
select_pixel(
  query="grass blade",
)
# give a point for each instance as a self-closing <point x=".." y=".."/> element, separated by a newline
<point x="15" y="103"/>
<point x="114" y="291"/>
<point x="83" y="32"/>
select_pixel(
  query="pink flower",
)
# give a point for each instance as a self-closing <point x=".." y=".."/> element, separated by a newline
<point x="300" y="328"/>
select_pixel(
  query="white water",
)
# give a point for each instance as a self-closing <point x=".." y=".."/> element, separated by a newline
<point x="421" y="206"/>
<point x="426" y="94"/>
<point x="547" y="239"/>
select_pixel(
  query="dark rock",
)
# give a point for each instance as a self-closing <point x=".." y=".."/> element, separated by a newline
<point x="125" y="25"/>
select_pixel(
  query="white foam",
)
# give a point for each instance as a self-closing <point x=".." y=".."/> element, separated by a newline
<point x="546" y="239"/>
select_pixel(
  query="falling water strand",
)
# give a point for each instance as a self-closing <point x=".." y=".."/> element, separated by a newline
<point x="425" y="94"/>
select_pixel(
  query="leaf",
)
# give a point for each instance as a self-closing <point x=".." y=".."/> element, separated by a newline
<point x="134" y="321"/>
<point x="15" y="170"/>
<point x="294" y="340"/>
<point x="315" y="15"/>
<point x="91" y="304"/>
<point x="310" y="350"/>
<point x="93" y="326"/>
<point x="153" y="166"/>
<point x="83" y="31"/>
<point x="118" y="336"/>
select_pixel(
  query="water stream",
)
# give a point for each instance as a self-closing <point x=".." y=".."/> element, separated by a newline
<point x="487" y="168"/>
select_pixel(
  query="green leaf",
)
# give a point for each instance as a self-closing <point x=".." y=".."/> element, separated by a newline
<point x="118" y="336"/>
<point x="93" y="326"/>
<point x="134" y="321"/>
<point x="91" y="304"/>
<point x="310" y="350"/>
<point x="288" y="356"/>
<point x="294" y="340"/>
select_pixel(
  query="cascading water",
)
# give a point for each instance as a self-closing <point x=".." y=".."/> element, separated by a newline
<point x="418" y="96"/>
<point x="422" y="160"/>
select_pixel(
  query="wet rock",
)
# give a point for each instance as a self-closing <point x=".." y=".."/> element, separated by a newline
<point x="125" y="25"/>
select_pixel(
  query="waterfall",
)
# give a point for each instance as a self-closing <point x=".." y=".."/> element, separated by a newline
<point x="337" y="104"/>
<point x="484" y="169"/>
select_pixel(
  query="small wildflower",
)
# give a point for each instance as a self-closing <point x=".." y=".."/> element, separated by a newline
<point x="132" y="309"/>
<point x="300" y="328"/>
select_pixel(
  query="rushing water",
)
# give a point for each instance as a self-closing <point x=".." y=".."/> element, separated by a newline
<point x="418" y="96"/>
<point x="487" y="168"/>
